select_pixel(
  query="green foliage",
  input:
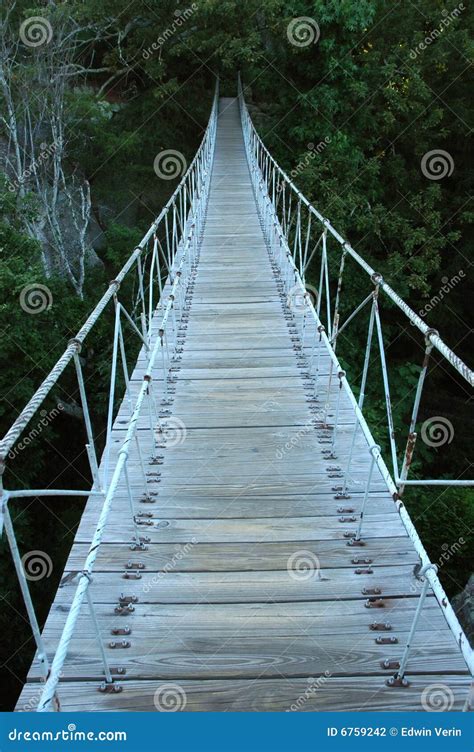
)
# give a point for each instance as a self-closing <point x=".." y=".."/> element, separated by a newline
<point x="380" y="102"/>
<point x="34" y="329"/>
<point x="453" y="512"/>
<point x="120" y="239"/>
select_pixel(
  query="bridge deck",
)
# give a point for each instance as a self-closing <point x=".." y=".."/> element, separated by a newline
<point x="226" y="608"/>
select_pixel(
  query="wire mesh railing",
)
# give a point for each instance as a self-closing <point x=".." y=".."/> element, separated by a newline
<point x="297" y="236"/>
<point x="163" y="266"/>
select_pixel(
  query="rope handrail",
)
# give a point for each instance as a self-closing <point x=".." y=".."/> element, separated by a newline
<point x="85" y="576"/>
<point x="430" y="334"/>
<point x="187" y="259"/>
<point x="157" y="329"/>
<point x="22" y="420"/>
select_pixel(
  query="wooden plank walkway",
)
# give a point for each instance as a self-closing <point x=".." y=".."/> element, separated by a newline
<point x="249" y="596"/>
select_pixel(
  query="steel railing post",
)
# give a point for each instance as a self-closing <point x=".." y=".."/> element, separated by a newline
<point x="411" y="440"/>
<point x="399" y="680"/>
<point x="373" y="449"/>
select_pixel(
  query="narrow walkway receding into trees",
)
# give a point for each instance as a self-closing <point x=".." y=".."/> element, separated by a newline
<point x="249" y="595"/>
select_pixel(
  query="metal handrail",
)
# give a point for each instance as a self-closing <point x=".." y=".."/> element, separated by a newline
<point x="279" y="247"/>
<point x="430" y="334"/>
<point x="276" y="182"/>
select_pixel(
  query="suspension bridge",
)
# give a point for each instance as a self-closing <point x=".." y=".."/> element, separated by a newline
<point x="244" y="546"/>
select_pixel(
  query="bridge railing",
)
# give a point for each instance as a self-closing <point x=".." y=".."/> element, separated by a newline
<point x="296" y="232"/>
<point x="302" y="234"/>
<point x="161" y="268"/>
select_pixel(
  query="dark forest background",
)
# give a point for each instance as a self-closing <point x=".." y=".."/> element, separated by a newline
<point x="123" y="81"/>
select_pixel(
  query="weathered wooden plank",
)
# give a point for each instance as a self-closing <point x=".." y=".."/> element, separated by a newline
<point x="255" y="586"/>
<point x="243" y="557"/>
<point x="259" y="695"/>
<point x="200" y="655"/>
<point x="249" y="486"/>
<point x="247" y="530"/>
<point x="274" y="507"/>
<point x="323" y="618"/>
